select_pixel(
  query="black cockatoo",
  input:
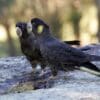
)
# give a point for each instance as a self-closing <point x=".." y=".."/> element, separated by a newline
<point x="58" y="54"/>
<point x="28" y="47"/>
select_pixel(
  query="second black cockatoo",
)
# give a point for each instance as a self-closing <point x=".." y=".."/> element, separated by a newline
<point x="58" y="54"/>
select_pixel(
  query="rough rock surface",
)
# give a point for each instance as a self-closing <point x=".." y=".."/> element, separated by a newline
<point x="17" y="82"/>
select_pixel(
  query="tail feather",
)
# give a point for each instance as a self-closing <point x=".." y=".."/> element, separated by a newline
<point x="85" y="48"/>
<point x="91" y="68"/>
<point x="93" y="57"/>
<point x="74" y="42"/>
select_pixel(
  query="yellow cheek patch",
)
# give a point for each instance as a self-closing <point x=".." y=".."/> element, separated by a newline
<point x="40" y="29"/>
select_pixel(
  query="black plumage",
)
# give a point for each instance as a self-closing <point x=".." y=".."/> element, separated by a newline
<point x="28" y="47"/>
<point x="58" y="54"/>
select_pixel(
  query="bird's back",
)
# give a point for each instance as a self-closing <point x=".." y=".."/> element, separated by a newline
<point x="55" y="50"/>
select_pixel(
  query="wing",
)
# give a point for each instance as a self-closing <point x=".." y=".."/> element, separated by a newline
<point x="60" y="52"/>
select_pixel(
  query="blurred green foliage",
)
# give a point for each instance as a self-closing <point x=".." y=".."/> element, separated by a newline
<point x="55" y="12"/>
<point x="5" y="4"/>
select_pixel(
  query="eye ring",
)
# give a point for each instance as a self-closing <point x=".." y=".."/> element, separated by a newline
<point x="18" y="31"/>
<point x="29" y="27"/>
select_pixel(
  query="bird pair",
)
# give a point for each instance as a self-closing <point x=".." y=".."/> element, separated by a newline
<point x="40" y="46"/>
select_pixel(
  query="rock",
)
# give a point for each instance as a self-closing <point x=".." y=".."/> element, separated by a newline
<point x="18" y="83"/>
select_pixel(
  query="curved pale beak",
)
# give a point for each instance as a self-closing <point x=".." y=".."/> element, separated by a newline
<point x="29" y="27"/>
<point x="18" y="31"/>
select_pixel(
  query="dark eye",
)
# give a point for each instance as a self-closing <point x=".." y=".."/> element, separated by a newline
<point x="33" y="23"/>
